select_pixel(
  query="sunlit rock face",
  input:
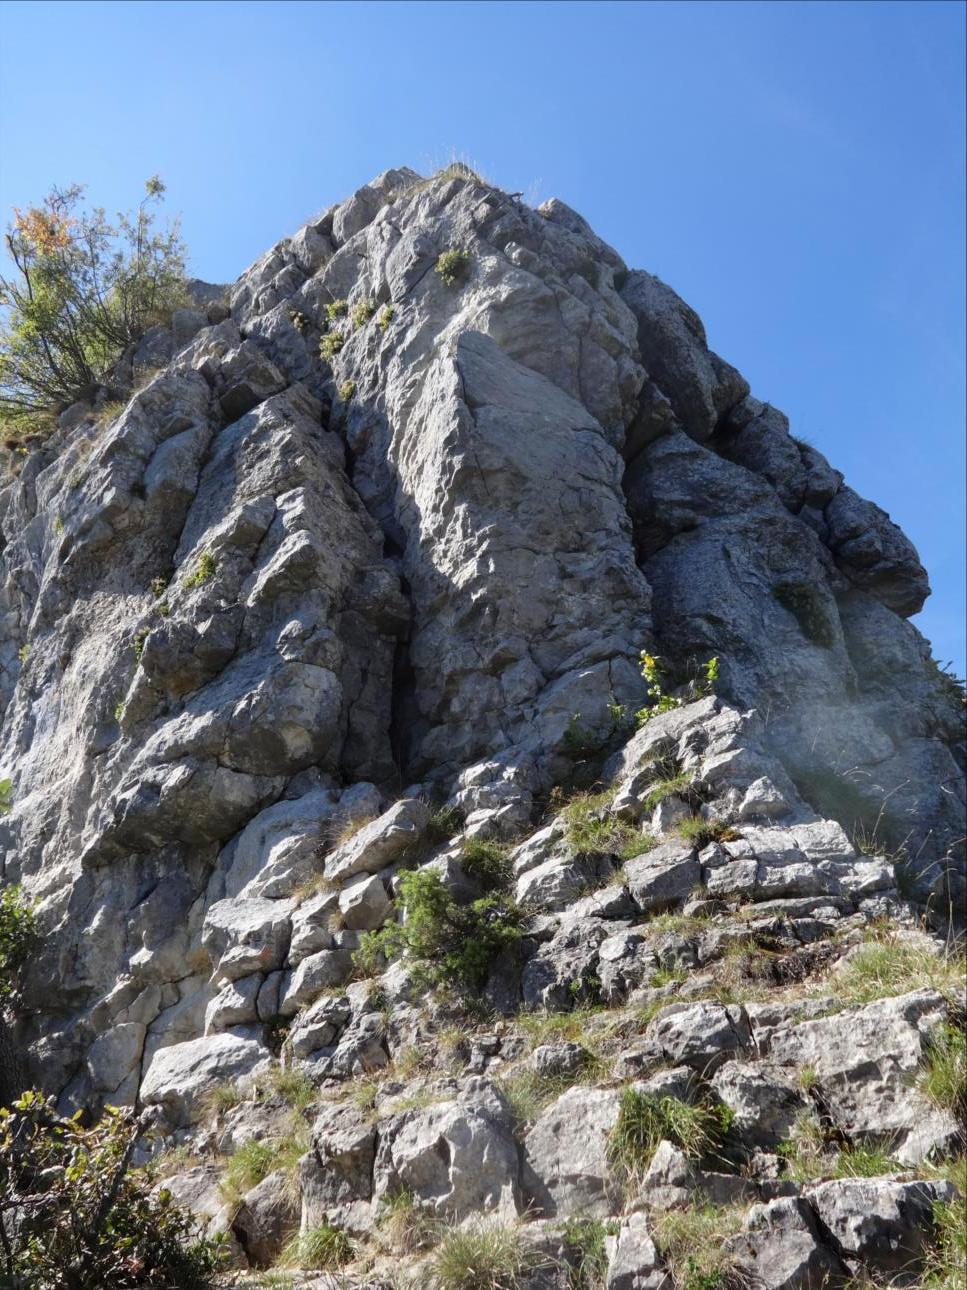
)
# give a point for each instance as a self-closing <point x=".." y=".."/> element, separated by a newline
<point x="370" y="536"/>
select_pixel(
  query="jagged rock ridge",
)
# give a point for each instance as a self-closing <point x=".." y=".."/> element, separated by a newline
<point x="274" y="593"/>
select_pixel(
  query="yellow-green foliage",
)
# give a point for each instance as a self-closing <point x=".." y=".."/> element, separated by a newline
<point x="363" y="312"/>
<point x="336" y="309"/>
<point x="331" y="344"/>
<point x="203" y="571"/>
<point x="18" y="936"/>
<point x="386" y="316"/>
<point x="347" y="390"/>
<point x="591" y="827"/>
<point x="452" y="265"/>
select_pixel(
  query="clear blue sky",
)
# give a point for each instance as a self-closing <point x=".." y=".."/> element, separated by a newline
<point x="795" y="171"/>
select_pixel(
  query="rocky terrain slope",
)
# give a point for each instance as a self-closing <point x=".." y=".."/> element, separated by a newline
<point x="355" y="587"/>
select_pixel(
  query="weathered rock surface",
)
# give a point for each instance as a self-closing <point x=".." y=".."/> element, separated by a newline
<point x="261" y="624"/>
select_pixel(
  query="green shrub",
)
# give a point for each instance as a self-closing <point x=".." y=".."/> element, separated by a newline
<point x="645" y="1119"/>
<point x="451" y="266"/>
<point x="363" y="312"/>
<point x="386" y="316"/>
<point x="347" y="390"/>
<point x="482" y="1256"/>
<point x="318" y="1249"/>
<point x="204" y="569"/>
<point x="486" y="861"/>
<point x="18" y="937"/>
<point x="336" y="309"/>
<point x="81" y="290"/>
<point x="451" y="945"/>
<point x="89" y="1221"/>
<point x="331" y="344"/>
<point x="6" y="796"/>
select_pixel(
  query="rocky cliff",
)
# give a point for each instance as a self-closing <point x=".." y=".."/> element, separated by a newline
<point x="377" y="543"/>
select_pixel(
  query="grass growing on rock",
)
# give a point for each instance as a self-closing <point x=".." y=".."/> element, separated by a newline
<point x="691" y="1241"/>
<point x="318" y="1249"/>
<point x="590" y="827"/>
<point x="947" y="1256"/>
<point x="887" y="966"/>
<point x="405" y="1227"/>
<point x="482" y="1256"/>
<point x="486" y="861"/>
<point x="644" y="1120"/>
<point x="529" y="1093"/>
<point x="584" y="1243"/>
<point x="700" y="832"/>
<point x="255" y="1160"/>
<point x="943" y="1078"/>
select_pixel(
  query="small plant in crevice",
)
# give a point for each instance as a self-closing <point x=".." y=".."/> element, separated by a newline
<point x="336" y="309"/>
<point x="6" y="796"/>
<point x="140" y="636"/>
<point x="386" y="316"/>
<point x="299" y="320"/>
<point x="331" y="344"/>
<point x="692" y="1245"/>
<point x="362" y="313"/>
<point x="590" y="827"/>
<point x="700" y="832"/>
<point x="204" y="570"/>
<point x="586" y="1251"/>
<point x="700" y="686"/>
<point x="347" y="391"/>
<point x="23" y="653"/>
<point x="943" y="1074"/>
<point x="444" y="824"/>
<point x="323" y="1248"/>
<point x="452" y="266"/>
<point x="158" y="587"/>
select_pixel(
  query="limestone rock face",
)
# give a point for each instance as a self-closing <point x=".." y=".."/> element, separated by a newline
<point x="356" y="581"/>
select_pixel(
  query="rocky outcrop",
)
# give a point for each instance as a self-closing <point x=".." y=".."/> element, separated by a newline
<point x="358" y="577"/>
